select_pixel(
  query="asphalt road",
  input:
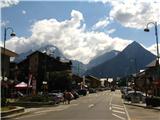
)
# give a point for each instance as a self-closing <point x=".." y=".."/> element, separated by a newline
<point x="98" y="106"/>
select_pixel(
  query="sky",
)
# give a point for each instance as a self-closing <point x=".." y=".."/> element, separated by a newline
<point x="80" y="29"/>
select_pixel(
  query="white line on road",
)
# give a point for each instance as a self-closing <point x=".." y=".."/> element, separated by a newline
<point x="91" y="105"/>
<point x="110" y="101"/>
<point x="122" y="118"/>
<point x="117" y="105"/>
<point x="119" y="111"/>
<point x="120" y="108"/>
<point x="126" y="112"/>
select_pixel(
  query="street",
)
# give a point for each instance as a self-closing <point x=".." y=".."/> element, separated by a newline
<point x="98" y="106"/>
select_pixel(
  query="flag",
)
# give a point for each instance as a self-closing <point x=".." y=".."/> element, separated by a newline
<point x="30" y="79"/>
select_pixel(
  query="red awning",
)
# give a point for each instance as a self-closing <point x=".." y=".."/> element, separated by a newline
<point x="22" y="85"/>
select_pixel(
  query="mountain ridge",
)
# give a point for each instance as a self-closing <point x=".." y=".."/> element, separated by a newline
<point x="133" y="58"/>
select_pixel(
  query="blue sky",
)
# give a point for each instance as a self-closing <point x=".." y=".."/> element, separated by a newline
<point x="111" y="25"/>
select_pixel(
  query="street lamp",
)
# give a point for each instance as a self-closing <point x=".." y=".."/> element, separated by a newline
<point x="3" y="58"/>
<point x="156" y="34"/>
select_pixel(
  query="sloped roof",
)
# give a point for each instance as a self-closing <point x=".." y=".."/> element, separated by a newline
<point x="8" y="52"/>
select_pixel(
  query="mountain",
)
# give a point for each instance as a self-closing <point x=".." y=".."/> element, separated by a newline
<point x="78" y="68"/>
<point x="48" y="49"/>
<point x="133" y="58"/>
<point x="102" y="58"/>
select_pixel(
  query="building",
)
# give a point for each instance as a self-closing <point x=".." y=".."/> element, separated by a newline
<point x="5" y="61"/>
<point x="148" y="81"/>
<point x="5" y="68"/>
<point x="39" y="67"/>
<point x="92" y="82"/>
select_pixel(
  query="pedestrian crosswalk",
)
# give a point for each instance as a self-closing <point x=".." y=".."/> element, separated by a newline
<point x="118" y="111"/>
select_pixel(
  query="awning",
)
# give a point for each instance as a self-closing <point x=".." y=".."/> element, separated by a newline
<point x="22" y="85"/>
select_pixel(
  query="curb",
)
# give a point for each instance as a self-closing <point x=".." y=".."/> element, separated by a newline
<point x="147" y="107"/>
<point x="23" y="113"/>
<point x="15" y="115"/>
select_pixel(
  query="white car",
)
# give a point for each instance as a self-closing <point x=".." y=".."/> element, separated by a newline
<point x="139" y="94"/>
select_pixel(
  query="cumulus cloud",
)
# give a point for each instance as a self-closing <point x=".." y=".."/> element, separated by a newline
<point x="153" y="48"/>
<point x="134" y="13"/>
<point x="70" y="36"/>
<point x="8" y="3"/>
<point x="4" y="23"/>
<point x="111" y="31"/>
<point x="101" y="24"/>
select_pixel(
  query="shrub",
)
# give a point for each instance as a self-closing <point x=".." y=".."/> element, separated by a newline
<point x="3" y="101"/>
<point x="153" y="101"/>
<point x="38" y="98"/>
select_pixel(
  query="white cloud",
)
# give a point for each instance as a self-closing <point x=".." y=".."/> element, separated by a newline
<point x="134" y="13"/>
<point x="70" y="36"/>
<point x="24" y="12"/>
<point x="4" y="23"/>
<point x="111" y="31"/>
<point x="101" y="24"/>
<point x="1" y="44"/>
<point x="8" y="3"/>
<point x="153" y="48"/>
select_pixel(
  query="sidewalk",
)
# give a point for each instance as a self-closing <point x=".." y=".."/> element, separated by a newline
<point x="26" y="111"/>
<point x="141" y="105"/>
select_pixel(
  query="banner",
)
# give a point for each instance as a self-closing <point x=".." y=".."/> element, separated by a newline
<point x="30" y="79"/>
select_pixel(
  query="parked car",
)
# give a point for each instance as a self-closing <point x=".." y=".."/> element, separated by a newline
<point x="57" y="97"/>
<point x="92" y="90"/>
<point x="125" y="90"/>
<point x="75" y="94"/>
<point x="82" y="92"/>
<point x="112" y="89"/>
<point x="131" y="94"/>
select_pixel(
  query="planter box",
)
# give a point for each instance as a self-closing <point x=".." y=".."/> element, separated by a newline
<point x="153" y="101"/>
<point x="13" y="111"/>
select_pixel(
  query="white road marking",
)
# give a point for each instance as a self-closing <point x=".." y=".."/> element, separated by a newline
<point x="120" y="108"/>
<point x="110" y="101"/>
<point x="91" y="105"/>
<point x="122" y="118"/>
<point x="128" y="117"/>
<point x="117" y="111"/>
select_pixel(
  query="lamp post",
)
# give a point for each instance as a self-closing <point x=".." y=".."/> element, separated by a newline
<point x="3" y="58"/>
<point x="156" y="34"/>
<point x="5" y="36"/>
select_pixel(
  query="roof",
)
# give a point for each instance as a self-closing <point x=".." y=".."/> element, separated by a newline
<point x="90" y="76"/>
<point x="8" y="52"/>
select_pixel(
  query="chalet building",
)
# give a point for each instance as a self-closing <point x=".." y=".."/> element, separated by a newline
<point x="79" y="82"/>
<point x="92" y="82"/>
<point x="5" y="61"/>
<point x="5" y="68"/>
<point x="39" y="67"/>
<point x="149" y="80"/>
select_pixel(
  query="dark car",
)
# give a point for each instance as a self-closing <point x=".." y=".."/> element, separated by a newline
<point x="57" y="97"/>
<point x="82" y="92"/>
<point x="75" y="94"/>
<point x="92" y="90"/>
<point x="112" y="89"/>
